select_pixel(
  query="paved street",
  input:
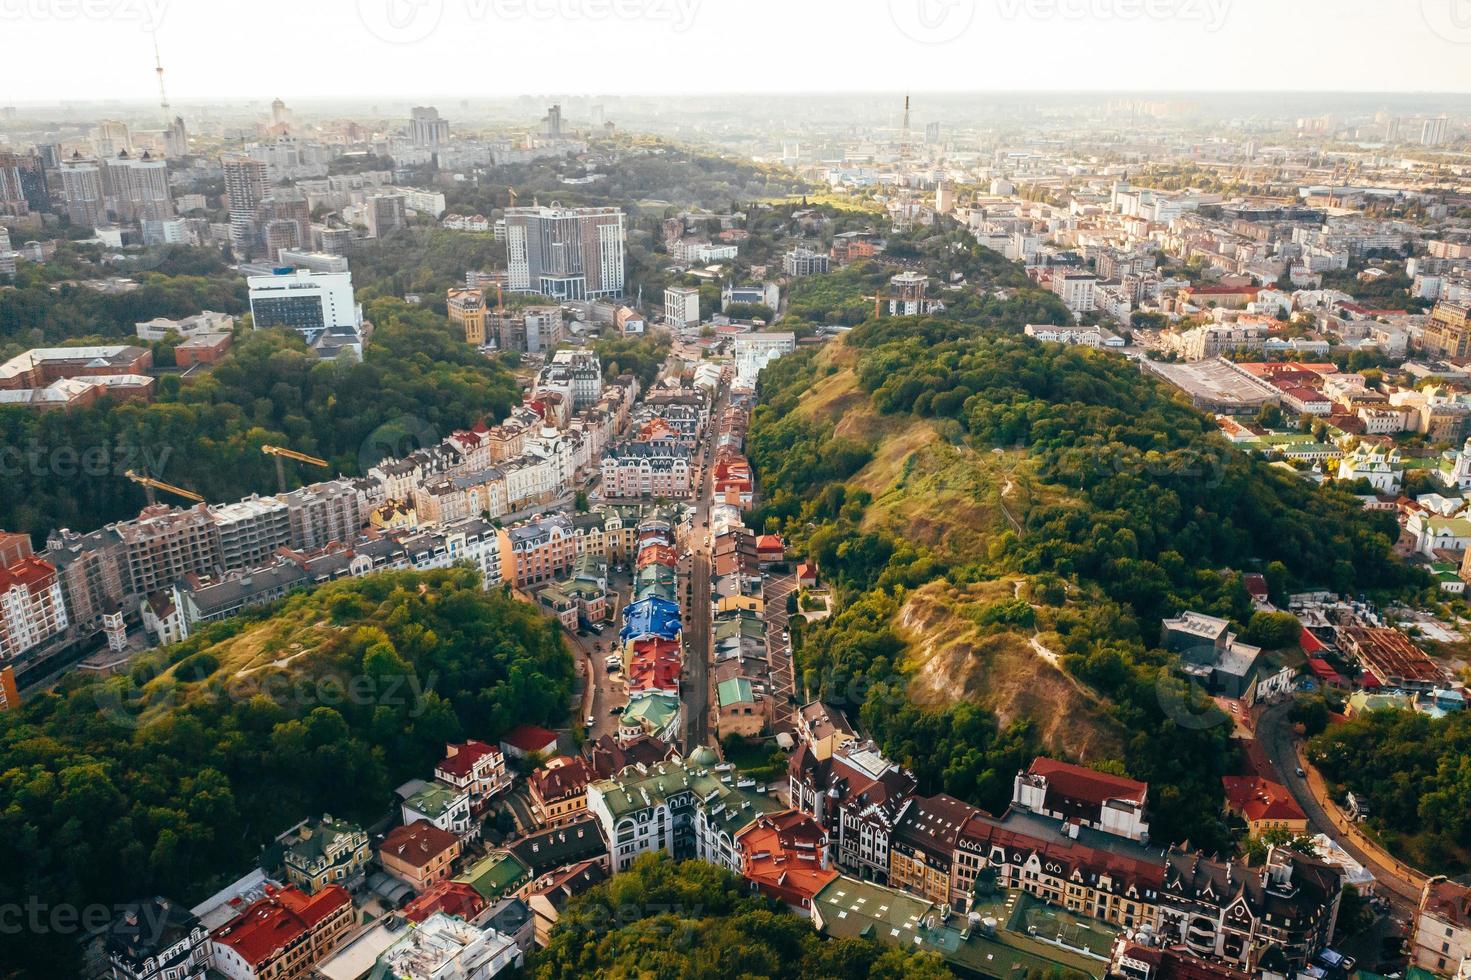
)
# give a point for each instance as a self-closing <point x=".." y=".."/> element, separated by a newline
<point x="696" y="572"/>
<point x="607" y="689"/>
<point x="1276" y="738"/>
<point x="774" y="592"/>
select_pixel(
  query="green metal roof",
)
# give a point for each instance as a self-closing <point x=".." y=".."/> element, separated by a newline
<point x="433" y="800"/>
<point x="495" y="874"/>
<point x="734" y="691"/>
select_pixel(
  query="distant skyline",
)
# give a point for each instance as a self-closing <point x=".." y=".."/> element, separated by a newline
<point x="336" y="49"/>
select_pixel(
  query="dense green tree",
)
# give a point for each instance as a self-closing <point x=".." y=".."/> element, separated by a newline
<point x="691" y="921"/>
<point x="1415" y="773"/>
<point x="416" y="385"/>
<point x="147" y="783"/>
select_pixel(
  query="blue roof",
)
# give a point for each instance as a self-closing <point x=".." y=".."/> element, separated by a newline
<point x="653" y="616"/>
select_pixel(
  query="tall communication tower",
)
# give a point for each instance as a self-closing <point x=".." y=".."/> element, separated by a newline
<point x="163" y="97"/>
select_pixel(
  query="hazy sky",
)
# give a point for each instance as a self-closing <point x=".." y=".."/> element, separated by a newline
<point x="81" y="49"/>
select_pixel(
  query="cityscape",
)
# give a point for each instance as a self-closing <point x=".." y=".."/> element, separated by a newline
<point x="1003" y="512"/>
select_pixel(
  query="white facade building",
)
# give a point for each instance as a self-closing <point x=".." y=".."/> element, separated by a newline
<point x="682" y="306"/>
<point x="310" y="303"/>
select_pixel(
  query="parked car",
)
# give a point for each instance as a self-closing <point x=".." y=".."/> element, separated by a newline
<point x="590" y="720"/>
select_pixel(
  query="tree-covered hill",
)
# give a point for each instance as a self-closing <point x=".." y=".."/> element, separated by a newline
<point x="170" y="778"/>
<point x="416" y="379"/>
<point x="1058" y="503"/>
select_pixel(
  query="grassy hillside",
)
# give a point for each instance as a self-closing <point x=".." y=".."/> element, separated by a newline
<point x="954" y="500"/>
<point x="1004" y="523"/>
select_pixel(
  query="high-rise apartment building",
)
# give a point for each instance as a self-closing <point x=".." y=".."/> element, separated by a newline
<point x="385" y="213"/>
<point x="333" y="241"/>
<point x="289" y="211"/>
<point x="13" y="199"/>
<point x="467" y="310"/>
<point x="111" y="139"/>
<point x="136" y="188"/>
<point x="245" y="186"/>
<point x="1433" y="131"/>
<point x="81" y="190"/>
<point x="800" y="262"/>
<point x="323" y="513"/>
<point x="532" y="329"/>
<point x="7" y="257"/>
<point x="1448" y="332"/>
<point x="32" y="609"/>
<point x="251" y="530"/>
<point x="176" y="138"/>
<point x="565" y="253"/>
<point x="426" y="128"/>
<point x="165" y="544"/>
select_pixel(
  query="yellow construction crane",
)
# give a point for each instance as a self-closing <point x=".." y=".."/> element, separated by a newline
<point x="281" y="453"/>
<point x="149" y="484"/>
<point x="511" y="193"/>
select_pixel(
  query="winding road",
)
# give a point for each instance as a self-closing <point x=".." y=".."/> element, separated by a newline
<point x="1397" y="884"/>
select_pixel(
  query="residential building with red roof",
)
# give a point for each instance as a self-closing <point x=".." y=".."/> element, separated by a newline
<point x="525" y="740"/>
<point x="785" y="856"/>
<point x="558" y="789"/>
<point x="450" y="897"/>
<point x="1084" y="870"/>
<point x="656" y="554"/>
<point x="1264" y="805"/>
<point x="282" y="935"/>
<point x="477" y="768"/>
<point x="607" y="756"/>
<point x="1077" y="794"/>
<point x="419" y="854"/>
<point x="654" y="664"/>
<point x="32" y="609"/>
<point x="1225" y="297"/>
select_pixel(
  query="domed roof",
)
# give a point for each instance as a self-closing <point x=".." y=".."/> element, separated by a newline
<point x="704" y="756"/>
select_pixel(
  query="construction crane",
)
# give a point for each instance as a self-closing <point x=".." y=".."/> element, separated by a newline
<point x="282" y="453"/>
<point x="149" y="484"/>
<point x="511" y="193"/>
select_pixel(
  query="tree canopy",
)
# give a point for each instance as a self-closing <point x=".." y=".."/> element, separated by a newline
<point x="171" y="777"/>
<point x="690" y="920"/>
<point x="416" y="384"/>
